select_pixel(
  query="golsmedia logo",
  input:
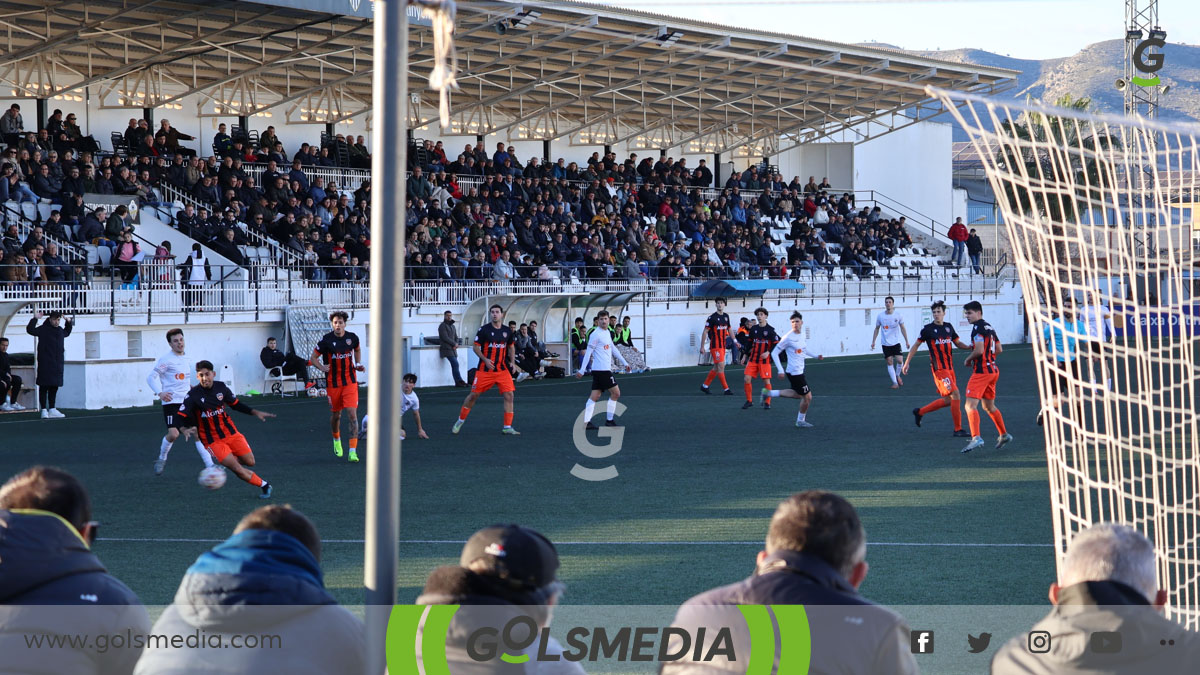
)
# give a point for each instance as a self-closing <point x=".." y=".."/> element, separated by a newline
<point x="1148" y="63"/>
<point x="748" y="636"/>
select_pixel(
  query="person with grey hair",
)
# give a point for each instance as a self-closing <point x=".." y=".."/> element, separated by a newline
<point x="1107" y="615"/>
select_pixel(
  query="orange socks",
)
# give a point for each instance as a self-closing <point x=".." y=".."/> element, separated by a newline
<point x="462" y="414"/>
<point x="973" y="420"/>
<point x="337" y="435"/>
<point x="936" y="405"/>
<point x="956" y="413"/>
<point x="255" y="480"/>
<point x="998" y="420"/>
<point x="353" y="443"/>
<point x="721" y="377"/>
<point x="749" y="392"/>
<point x="708" y="380"/>
<point x="507" y="419"/>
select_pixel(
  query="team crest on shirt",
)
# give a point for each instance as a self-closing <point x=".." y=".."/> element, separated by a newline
<point x="220" y="397"/>
<point x="347" y="341"/>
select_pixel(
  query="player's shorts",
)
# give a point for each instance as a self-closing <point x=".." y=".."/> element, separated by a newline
<point x="762" y="370"/>
<point x="603" y="380"/>
<point x="718" y="355"/>
<point x="982" y="385"/>
<point x="891" y="350"/>
<point x="170" y="414"/>
<point x="945" y="381"/>
<point x="341" y="398"/>
<point x="485" y="380"/>
<point x="1061" y="376"/>
<point x="799" y="384"/>
<point x="235" y="445"/>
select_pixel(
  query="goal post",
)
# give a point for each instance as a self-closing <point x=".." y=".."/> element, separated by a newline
<point x="1099" y="212"/>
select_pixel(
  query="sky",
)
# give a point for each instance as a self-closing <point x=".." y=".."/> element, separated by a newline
<point x="1026" y="29"/>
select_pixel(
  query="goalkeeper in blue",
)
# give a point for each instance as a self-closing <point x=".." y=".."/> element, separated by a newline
<point x="599" y="359"/>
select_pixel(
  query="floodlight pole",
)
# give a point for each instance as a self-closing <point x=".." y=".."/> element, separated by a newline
<point x="381" y="553"/>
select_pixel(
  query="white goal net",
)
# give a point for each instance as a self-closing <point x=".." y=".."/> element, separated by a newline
<point x="1100" y="215"/>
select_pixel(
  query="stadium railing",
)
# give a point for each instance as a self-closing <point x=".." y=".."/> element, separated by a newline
<point x="161" y="290"/>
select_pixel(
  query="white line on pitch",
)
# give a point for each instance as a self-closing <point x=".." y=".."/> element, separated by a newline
<point x="459" y="542"/>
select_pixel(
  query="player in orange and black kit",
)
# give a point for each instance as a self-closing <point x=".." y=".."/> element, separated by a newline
<point x="203" y="413"/>
<point x="940" y="338"/>
<point x="495" y="345"/>
<point x="338" y="355"/>
<point x="716" y="332"/>
<point x="761" y="338"/>
<point x="982" y="385"/>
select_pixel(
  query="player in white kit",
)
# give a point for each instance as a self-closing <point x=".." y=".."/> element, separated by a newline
<point x="170" y="381"/>
<point x="599" y="359"/>
<point x="1097" y="321"/>
<point x="796" y="347"/>
<point x="408" y="402"/>
<point x="892" y="325"/>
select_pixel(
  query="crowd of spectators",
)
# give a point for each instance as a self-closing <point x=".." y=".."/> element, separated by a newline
<point x="636" y="219"/>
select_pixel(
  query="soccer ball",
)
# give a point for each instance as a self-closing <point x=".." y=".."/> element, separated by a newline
<point x="212" y="477"/>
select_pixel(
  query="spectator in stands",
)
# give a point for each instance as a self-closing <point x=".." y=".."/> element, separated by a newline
<point x="815" y="555"/>
<point x="57" y="270"/>
<point x="45" y="186"/>
<point x="279" y="363"/>
<point x="502" y="269"/>
<point x="1107" y="585"/>
<point x="222" y="143"/>
<point x="418" y="187"/>
<point x="51" y="583"/>
<point x="974" y="251"/>
<point x="12" y="125"/>
<point x="958" y="236"/>
<point x="227" y="247"/>
<point x="10" y="385"/>
<point x="117" y="223"/>
<point x="504" y="571"/>
<point x="272" y="562"/>
<point x="126" y="257"/>
<point x="195" y="272"/>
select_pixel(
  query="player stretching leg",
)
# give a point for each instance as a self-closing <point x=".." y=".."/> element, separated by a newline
<point x="338" y="355"/>
<point x="762" y="338"/>
<point x="796" y="348"/>
<point x="893" y="327"/>
<point x="169" y="382"/>
<point x="716" y="332"/>
<point x="495" y="345"/>
<point x="982" y="385"/>
<point x="941" y="339"/>
<point x="203" y="413"/>
<point x="599" y="357"/>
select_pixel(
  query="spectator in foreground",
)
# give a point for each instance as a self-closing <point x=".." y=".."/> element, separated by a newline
<point x="265" y="579"/>
<point x="1108" y="585"/>
<point x="815" y="556"/>
<point x="52" y="584"/>
<point x="504" y="571"/>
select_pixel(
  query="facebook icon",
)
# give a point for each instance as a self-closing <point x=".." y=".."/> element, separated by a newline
<point x="922" y="641"/>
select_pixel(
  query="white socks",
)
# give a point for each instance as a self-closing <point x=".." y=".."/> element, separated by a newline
<point x="774" y="393"/>
<point x="589" y="409"/>
<point x="892" y="372"/>
<point x="899" y="369"/>
<point x="800" y="417"/>
<point x="164" y="448"/>
<point x="205" y="455"/>
<point x="612" y="409"/>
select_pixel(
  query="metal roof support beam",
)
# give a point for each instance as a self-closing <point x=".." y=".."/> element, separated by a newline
<point x="565" y="32"/>
<point x="73" y="35"/>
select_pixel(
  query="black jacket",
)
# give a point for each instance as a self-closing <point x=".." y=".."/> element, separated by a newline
<point x="49" y="350"/>
<point x="44" y="564"/>
<point x="271" y="358"/>
<point x="856" y="636"/>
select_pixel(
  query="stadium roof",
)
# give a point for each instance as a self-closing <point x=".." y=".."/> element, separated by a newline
<point x="560" y="70"/>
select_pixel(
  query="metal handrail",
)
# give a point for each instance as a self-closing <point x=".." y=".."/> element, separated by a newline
<point x="281" y="255"/>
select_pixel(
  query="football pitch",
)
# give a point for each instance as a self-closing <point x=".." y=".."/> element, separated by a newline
<point x="698" y="481"/>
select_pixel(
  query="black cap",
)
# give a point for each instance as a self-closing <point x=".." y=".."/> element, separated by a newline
<point x="519" y="555"/>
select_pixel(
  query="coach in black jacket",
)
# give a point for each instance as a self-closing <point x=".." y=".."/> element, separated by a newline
<point x="51" y="584"/>
<point x="815" y="556"/>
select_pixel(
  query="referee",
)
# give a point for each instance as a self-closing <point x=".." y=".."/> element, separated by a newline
<point x="1062" y="337"/>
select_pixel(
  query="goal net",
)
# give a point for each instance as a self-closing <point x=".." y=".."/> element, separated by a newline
<point x="1100" y="215"/>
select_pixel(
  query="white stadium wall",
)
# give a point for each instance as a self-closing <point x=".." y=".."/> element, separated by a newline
<point x="912" y="167"/>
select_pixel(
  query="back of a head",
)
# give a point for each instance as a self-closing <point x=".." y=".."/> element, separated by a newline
<point x="821" y="524"/>
<point x="283" y="518"/>
<point x="48" y="489"/>
<point x="1110" y="552"/>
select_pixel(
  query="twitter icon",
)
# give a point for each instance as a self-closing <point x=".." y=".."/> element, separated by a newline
<point x="978" y="644"/>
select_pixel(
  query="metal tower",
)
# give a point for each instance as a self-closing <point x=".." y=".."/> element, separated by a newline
<point x="1141" y="26"/>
